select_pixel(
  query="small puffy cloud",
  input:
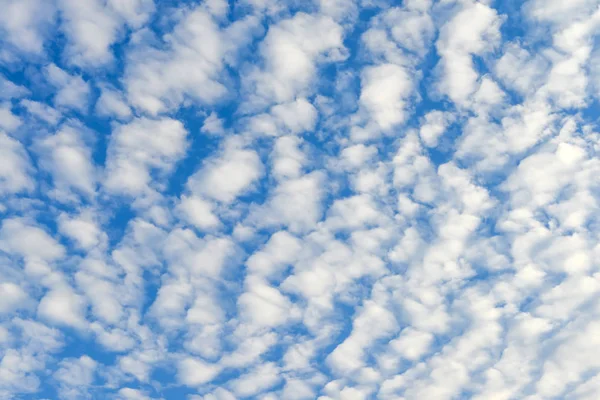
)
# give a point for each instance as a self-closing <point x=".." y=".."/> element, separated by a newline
<point x="8" y="121"/>
<point x="15" y="169"/>
<point x="472" y="31"/>
<point x="19" y="236"/>
<point x="62" y="306"/>
<point x="75" y="376"/>
<point x="92" y="27"/>
<point x="293" y="117"/>
<point x="25" y="24"/>
<point x="10" y="90"/>
<point x="288" y="158"/>
<point x="14" y="297"/>
<point x="257" y="381"/>
<point x="263" y="305"/>
<point x="188" y="67"/>
<point x="132" y="394"/>
<point x="198" y="212"/>
<point x="333" y="199"/>
<point x="295" y="203"/>
<point x="384" y="92"/>
<point x="68" y="158"/>
<point x="228" y="175"/>
<point x="111" y="103"/>
<point x="71" y="90"/>
<point x="42" y="111"/>
<point x="433" y="127"/>
<point x="281" y="250"/>
<point x="291" y="51"/>
<point x="298" y="116"/>
<point x="519" y="69"/>
<point x="140" y="149"/>
<point x="195" y="372"/>
<point x="82" y="229"/>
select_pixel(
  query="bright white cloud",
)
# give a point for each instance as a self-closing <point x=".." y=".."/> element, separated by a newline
<point x="472" y="31"/>
<point x="71" y="90"/>
<point x="229" y="175"/>
<point x="15" y="169"/>
<point x="140" y="149"/>
<point x="333" y="199"/>
<point x="291" y="51"/>
<point x="26" y="23"/>
<point x="384" y="92"/>
<point x="189" y="67"/>
<point x="68" y="158"/>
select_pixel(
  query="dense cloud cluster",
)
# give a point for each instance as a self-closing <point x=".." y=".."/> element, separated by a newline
<point x="328" y="199"/>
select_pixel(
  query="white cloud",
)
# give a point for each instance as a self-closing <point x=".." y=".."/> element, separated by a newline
<point x="82" y="229"/>
<point x="384" y="93"/>
<point x="10" y="90"/>
<point x="295" y="203"/>
<point x="75" y="376"/>
<point x="263" y="305"/>
<point x="298" y="116"/>
<point x="198" y="212"/>
<point x="292" y="117"/>
<point x="472" y="31"/>
<point x="42" y="111"/>
<point x="288" y="158"/>
<point x="213" y="125"/>
<point x="195" y="372"/>
<point x="229" y="175"/>
<point x="354" y="212"/>
<point x="413" y="28"/>
<point x="111" y="103"/>
<point x="134" y="12"/>
<point x="8" y="121"/>
<point x="14" y="297"/>
<point x="62" y="306"/>
<point x="15" y="169"/>
<point x="92" y="27"/>
<point x="189" y="67"/>
<point x="291" y="50"/>
<point x="132" y="394"/>
<point x="349" y="355"/>
<point x="26" y="22"/>
<point x="141" y="148"/>
<point x="72" y="91"/>
<point x="257" y="381"/>
<point x="18" y="236"/>
<point x="519" y="69"/>
<point x="105" y="301"/>
<point x="355" y="220"/>
<point x="281" y="250"/>
<point x="68" y="158"/>
<point x="433" y="127"/>
<point x="205" y="256"/>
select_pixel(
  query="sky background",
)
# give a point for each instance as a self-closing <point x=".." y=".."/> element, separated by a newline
<point x="328" y="199"/>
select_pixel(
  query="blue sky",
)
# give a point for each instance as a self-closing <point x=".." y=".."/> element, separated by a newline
<point x="328" y="199"/>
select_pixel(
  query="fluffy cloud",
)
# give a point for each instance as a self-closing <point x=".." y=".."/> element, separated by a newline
<point x="384" y="91"/>
<point x="71" y="90"/>
<point x="26" y="24"/>
<point x="188" y="68"/>
<point x="291" y="50"/>
<point x="472" y="31"/>
<point x="16" y="169"/>
<point x="332" y="199"/>
<point x="139" y="149"/>
<point x="68" y="158"/>
<point x="226" y="177"/>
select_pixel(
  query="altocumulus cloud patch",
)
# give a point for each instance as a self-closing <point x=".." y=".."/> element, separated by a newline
<point x="328" y="199"/>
